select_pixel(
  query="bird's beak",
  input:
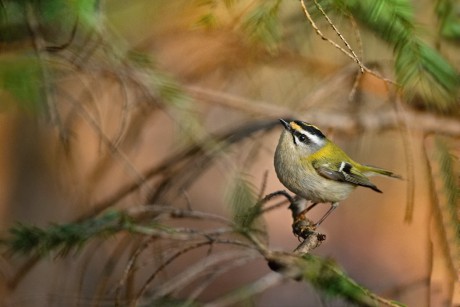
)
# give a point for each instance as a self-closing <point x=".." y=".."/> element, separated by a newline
<point x="285" y="124"/>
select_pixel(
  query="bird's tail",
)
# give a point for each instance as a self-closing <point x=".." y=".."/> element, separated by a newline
<point x="372" y="170"/>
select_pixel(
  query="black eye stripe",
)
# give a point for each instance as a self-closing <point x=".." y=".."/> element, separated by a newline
<point x="301" y="137"/>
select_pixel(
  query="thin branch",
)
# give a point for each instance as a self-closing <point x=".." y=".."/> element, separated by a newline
<point x="217" y="272"/>
<point x="139" y="177"/>
<point x="359" y="76"/>
<point x="275" y="206"/>
<point x="352" y="55"/>
<point x="129" y="269"/>
<point x="38" y="43"/>
<point x="163" y="265"/>
<point x="409" y="157"/>
<point x="188" y="202"/>
<point x="194" y="271"/>
<point x="155" y="210"/>
<point x="311" y="241"/>
<point x="264" y="185"/>
<point x="267" y="198"/>
<point x="275" y="194"/>
<point x="318" y="31"/>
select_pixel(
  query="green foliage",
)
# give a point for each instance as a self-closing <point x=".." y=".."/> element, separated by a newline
<point x="213" y="3"/>
<point x="263" y="26"/>
<point x="447" y="12"/>
<point x="168" y="89"/>
<point x="49" y="14"/>
<point x="12" y="22"/>
<point x="328" y="277"/>
<point x="242" y="199"/>
<point x="261" y="23"/>
<point x="207" y="20"/>
<point x="450" y="184"/>
<point x="425" y="76"/>
<point x="171" y="94"/>
<point x="325" y="275"/>
<point x="21" y="77"/>
<point x="85" y="11"/>
<point x="139" y="59"/>
<point x="63" y="238"/>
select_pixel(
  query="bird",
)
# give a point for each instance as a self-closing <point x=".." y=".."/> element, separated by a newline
<point x="314" y="168"/>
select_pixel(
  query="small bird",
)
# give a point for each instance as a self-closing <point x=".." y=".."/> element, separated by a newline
<point x="313" y="167"/>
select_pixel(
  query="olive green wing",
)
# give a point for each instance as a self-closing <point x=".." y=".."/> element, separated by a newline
<point x="344" y="172"/>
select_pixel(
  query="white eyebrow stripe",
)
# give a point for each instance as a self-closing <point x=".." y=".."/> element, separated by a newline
<point x="312" y="137"/>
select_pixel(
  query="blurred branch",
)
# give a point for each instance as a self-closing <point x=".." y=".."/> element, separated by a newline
<point x="248" y="291"/>
<point x="300" y="265"/>
<point x="444" y="188"/>
<point x="197" y="269"/>
<point x="384" y="120"/>
<point x="426" y="77"/>
<point x="223" y="140"/>
<point x="325" y="275"/>
<point x="175" y="161"/>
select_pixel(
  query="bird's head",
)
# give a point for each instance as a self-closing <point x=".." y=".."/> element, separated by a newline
<point x="302" y="137"/>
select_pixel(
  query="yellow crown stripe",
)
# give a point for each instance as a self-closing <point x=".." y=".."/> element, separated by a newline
<point x="295" y="126"/>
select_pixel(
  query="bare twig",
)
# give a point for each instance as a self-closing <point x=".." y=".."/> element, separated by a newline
<point x="264" y="185"/>
<point x="275" y="194"/>
<point x="354" y="56"/>
<point x="39" y="48"/>
<point x="275" y="206"/>
<point x="318" y="31"/>
<point x="164" y="265"/>
<point x="359" y="76"/>
<point x="351" y="54"/>
<point x="188" y="202"/>
<point x="129" y="269"/>
<point x="155" y="210"/>
<point x="194" y="271"/>
<point x="139" y="177"/>
<point x="409" y="158"/>
<point x="302" y="227"/>
<point x="311" y="242"/>
<point x="217" y="272"/>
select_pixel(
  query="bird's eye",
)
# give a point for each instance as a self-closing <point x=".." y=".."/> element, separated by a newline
<point x="302" y="138"/>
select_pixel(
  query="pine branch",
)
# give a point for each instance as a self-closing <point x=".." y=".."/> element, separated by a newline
<point x="448" y="201"/>
<point x="321" y="273"/>
<point x="326" y="276"/>
<point x="262" y="24"/>
<point x="448" y="19"/>
<point x="426" y="77"/>
<point x="62" y="238"/>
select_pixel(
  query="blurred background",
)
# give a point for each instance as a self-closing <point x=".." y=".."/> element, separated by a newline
<point x="109" y="105"/>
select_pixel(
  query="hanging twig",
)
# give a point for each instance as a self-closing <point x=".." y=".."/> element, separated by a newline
<point x="351" y="54"/>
